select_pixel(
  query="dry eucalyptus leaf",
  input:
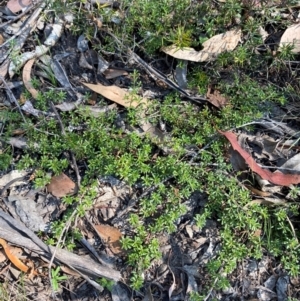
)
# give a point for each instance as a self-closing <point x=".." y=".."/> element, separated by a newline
<point x="291" y="37"/>
<point x="115" y="94"/>
<point x="17" y="142"/>
<point x="111" y="236"/>
<point x="4" y="68"/>
<point x="61" y="186"/>
<point x="216" y="98"/>
<point x="27" y="78"/>
<point x="1" y="39"/>
<point x="113" y="73"/>
<point x="211" y="48"/>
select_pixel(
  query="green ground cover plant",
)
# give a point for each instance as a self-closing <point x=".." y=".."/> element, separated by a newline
<point x="105" y="149"/>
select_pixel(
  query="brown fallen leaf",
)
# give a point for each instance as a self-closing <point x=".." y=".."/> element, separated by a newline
<point x="113" y="73"/>
<point x="216" y="98"/>
<point x="291" y="37"/>
<point x="17" y="5"/>
<point x="27" y="78"/>
<point x="111" y="236"/>
<point x="211" y="48"/>
<point x="257" y="191"/>
<point x="4" y="69"/>
<point x="69" y="271"/>
<point x="61" y="186"/>
<point x="277" y="177"/>
<point x="116" y="94"/>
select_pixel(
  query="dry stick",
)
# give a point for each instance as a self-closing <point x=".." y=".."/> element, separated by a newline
<point x="12" y="97"/>
<point x="72" y="154"/>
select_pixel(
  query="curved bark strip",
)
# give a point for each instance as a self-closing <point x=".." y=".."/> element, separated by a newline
<point x="276" y="178"/>
<point x="14" y="259"/>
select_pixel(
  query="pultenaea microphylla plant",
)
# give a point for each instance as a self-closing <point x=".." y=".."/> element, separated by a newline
<point x="104" y="149"/>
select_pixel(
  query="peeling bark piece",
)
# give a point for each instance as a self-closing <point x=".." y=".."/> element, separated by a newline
<point x="14" y="259"/>
<point x="13" y="175"/>
<point x="16" y="233"/>
<point x="26" y="209"/>
<point x="277" y="177"/>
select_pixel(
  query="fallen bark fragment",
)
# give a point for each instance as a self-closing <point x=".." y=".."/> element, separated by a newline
<point x="14" y="259"/>
<point x="16" y="233"/>
<point x="277" y="177"/>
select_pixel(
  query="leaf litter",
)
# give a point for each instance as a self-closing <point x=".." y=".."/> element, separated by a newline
<point x="186" y="254"/>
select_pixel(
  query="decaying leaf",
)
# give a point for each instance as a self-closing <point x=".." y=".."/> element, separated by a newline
<point x="111" y="236"/>
<point x="116" y="94"/>
<point x="4" y="69"/>
<point x="28" y="108"/>
<point x="27" y="78"/>
<point x="69" y="106"/>
<point x="17" y="142"/>
<point x="216" y="98"/>
<point x="60" y="73"/>
<point x="113" y="73"/>
<point x="277" y="177"/>
<point x="211" y="48"/>
<point x="17" y="5"/>
<point x="61" y="186"/>
<point x="291" y="37"/>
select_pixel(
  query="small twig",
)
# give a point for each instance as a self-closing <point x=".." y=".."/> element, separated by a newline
<point x="75" y="167"/>
<point x="65" y="229"/>
<point x="211" y="289"/>
<point x="292" y="228"/>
